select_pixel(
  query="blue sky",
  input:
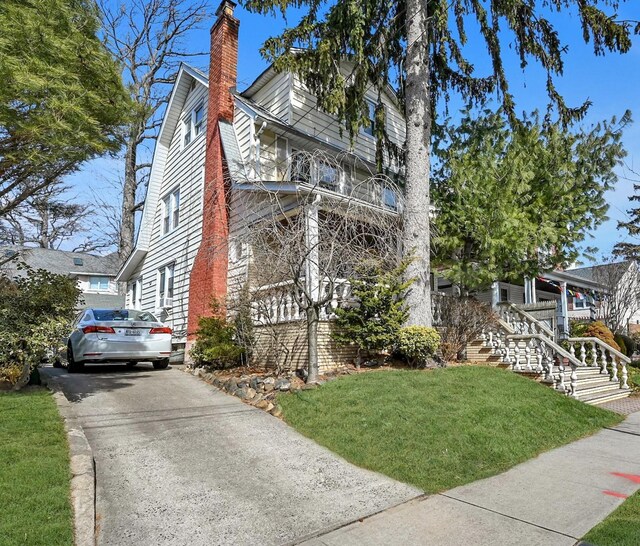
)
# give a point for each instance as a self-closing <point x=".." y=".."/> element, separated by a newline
<point x="611" y="83"/>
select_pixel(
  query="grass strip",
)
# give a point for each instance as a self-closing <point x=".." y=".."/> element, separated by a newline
<point x="621" y="527"/>
<point x="34" y="471"/>
<point x="441" y="428"/>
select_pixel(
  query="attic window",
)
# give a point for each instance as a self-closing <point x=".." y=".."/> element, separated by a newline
<point x="78" y="261"/>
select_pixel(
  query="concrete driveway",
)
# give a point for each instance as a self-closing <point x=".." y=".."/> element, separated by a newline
<point x="179" y="462"/>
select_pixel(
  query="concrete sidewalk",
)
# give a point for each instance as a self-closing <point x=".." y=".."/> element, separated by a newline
<point x="553" y="499"/>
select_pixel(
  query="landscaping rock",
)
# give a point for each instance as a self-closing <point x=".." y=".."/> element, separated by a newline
<point x="269" y="380"/>
<point x="250" y="393"/>
<point x="282" y="385"/>
<point x="253" y="383"/>
<point x="264" y="404"/>
<point x="276" y="411"/>
<point x="269" y="407"/>
<point x="257" y="398"/>
<point x="230" y="385"/>
<point x="268" y="387"/>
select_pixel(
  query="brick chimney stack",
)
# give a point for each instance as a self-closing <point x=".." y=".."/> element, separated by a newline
<point x="208" y="278"/>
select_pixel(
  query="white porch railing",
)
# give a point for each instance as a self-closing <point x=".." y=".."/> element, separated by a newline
<point x="594" y="352"/>
<point x="277" y="303"/>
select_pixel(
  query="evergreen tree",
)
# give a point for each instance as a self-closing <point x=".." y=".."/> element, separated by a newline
<point x="380" y="310"/>
<point x="626" y="249"/>
<point x="417" y="47"/>
<point x="514" y="203"/>
<point x="61" y="100"/>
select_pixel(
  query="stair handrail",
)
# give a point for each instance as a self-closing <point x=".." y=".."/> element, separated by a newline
<point x="613" y="354"/>
<point x="552" y="344"/>
<point x="512" y="306"/>
<point x="602" y="345"/>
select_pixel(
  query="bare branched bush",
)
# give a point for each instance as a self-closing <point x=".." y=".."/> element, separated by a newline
<point x="463" y="319"/>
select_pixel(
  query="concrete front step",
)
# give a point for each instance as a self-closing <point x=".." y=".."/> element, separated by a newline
<point x="601" y="398"/>
<point x="588" y="391"/>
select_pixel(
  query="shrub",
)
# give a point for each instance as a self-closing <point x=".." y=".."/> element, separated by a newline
<point x="215" y="344"/>
<point x="577" y="328"/>
<point x="623" y="347"/>
<point x="36" y="311"/>
<point x="599" y="330"/>
<point x="372" y="323"/>
<point x="417" y="344"/>
<point x="463" y="319"/>
<point x="630" y="345"/>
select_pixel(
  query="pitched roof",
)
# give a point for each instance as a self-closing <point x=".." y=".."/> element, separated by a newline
<point x="597" y="272"/>
<point x="62" y="262"/>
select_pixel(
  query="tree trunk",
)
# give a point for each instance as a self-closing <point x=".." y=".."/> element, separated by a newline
<point x="416" y="236"/>
<point x="312" y="343"/>
<point x="127" y="226"/>
<point x="44" y="226"/>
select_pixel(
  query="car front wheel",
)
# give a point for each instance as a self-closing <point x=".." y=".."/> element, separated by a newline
<point x="72" y="365"/>
<point x="161" y="364"/>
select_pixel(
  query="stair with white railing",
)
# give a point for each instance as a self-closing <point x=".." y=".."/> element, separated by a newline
<point x="585" y="368"/>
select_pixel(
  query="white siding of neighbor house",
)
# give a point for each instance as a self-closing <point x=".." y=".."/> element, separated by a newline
<point x="184" y="169"/>
<point x="84" y="284"/>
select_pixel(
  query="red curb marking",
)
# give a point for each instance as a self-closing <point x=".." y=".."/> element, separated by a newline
<point x="616" y="494"/>
<point x="633" y="477"/>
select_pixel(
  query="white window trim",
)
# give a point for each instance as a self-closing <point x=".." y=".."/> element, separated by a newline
<point x="189" y="125"/>
<point x="168" y="204"/>
<point x="99" y="288"/>
<point x="162" y="294"/>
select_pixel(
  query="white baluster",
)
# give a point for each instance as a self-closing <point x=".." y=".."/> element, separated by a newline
<point x="574" y="380"/>
<point x="614" y="368"/>
<point x="625" y="385"/>
<point x="561" y="385"/>
<point x="539" y="367"/>
<point x="334" y="302"/>
<point x="572" y="350"/>
<point x="603" y="360"/>
<point x="583" y="354"/>
<point x="594" y="355"/>
<point x="527" y="356"/>
<point x="516" y="353"/>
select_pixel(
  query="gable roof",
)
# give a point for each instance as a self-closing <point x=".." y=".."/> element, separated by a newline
<point x="185" y="77"/>
<point x="62" y="262"/>
<point x="597" y="273"/>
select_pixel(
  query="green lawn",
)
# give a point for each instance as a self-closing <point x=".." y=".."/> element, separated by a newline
<point x="442" y="428"/>
<point x="35" y="507"/>
<point x="621" y="528"/>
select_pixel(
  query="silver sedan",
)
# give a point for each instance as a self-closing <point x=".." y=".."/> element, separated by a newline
<point x="117" y="335"/>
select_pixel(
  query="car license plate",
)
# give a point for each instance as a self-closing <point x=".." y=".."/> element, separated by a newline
<point x="130" y="332"/>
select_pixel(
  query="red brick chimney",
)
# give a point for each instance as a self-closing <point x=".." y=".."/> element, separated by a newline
<point x="208" y="278"/>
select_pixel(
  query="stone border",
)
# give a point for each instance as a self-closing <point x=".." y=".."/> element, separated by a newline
<point x="83" y="475"/>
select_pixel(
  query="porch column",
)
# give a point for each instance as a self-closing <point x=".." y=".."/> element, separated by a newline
<point x="564" y="307"/>
<point x="529" y="290"/>
<point x="313" y="253"/>
<point x="495" y="294"/>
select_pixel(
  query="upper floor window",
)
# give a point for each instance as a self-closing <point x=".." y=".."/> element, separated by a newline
<point x="136" y="293"/>
<point x="171" y="211"/>
<point x="368" y="129"/>
<point x="504" y="294"/>
<point x="98" y="283"/>
<point x="193" y="124"/>
<point x="327" y="176"/>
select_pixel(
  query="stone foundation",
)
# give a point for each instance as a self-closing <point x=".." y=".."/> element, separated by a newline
<point x="284" y="347"/>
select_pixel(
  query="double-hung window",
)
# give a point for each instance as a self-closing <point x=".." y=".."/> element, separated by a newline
<point x="193" y="124"/>
<point x="171" y="211"/>
<point x="165" y="286"/>
<point x="136" y="293"/>
<point x="390" y="198"/>
<point x="98" y="283"/>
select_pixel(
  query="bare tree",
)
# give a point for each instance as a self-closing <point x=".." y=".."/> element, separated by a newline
<point x="301" y="247"/>
<point x="621" y="298"/>
<point x="51" y="219"/>
<point x="147" y="38"/>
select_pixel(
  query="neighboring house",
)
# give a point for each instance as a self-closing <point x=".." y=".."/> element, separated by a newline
<point x="95" y="275"/>
<point x="609" y="292"/>
<point x="214" y="146"/>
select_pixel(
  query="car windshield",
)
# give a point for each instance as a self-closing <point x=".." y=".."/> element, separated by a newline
<point x="123" y="314"/>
